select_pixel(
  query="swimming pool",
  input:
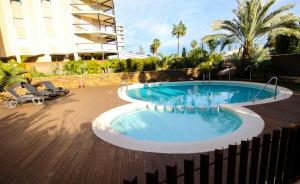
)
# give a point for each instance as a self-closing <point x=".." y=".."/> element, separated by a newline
<point x="185" y="117"/>
<point x="176" y="127"/>
<point x="134" y="126"/>
<point x="203" y="93"/>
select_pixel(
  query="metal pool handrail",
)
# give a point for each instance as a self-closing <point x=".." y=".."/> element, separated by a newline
<point x="124" y="85"/>
<point x="276" y="79"/>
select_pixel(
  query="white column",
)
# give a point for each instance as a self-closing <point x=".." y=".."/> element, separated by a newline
<point x="76" y="56"/>
<point x="18" y="57"/>
<point x="44" y="58"/>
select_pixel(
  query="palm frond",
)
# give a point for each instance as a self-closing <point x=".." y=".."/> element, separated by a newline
<point x="285" y="31"/>
<point x="277" y="12"/>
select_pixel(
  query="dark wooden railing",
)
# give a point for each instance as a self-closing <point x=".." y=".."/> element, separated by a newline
<point x="274" y="161"/>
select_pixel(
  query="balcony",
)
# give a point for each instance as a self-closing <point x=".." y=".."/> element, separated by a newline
<point x="82" y="29"/>
<point x="103" y="5"/>
<point x="96" y="48"/>
<point x="91" y="10"/>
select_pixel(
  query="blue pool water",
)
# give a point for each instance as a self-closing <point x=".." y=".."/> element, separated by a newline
<point x="199" y="94"/>
<point x="176" y="127"/>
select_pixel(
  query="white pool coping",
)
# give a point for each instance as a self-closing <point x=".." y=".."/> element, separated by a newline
<point x="252" y="126"/>
<point x="282" y="93"/>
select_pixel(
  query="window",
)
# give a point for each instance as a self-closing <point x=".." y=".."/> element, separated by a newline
<point x="16" y="1"/>
<point x="47" y="2"/>
<point x="49" y="27"/>
<point x="20" y="28"/>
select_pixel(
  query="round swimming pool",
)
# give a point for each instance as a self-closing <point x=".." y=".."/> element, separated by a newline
<point x="199" y="93"/>
<point x="135" y="126"/>
<point x="176" y="127"/>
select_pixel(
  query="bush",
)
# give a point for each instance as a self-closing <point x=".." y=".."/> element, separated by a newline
<point x="117" y="65"/>
<point x="105" y="66"/>
<point x="150" y="64"/>
<point x="11" y="73"/>
<point x="75" y="67"/>
<point x="210" y="63"/>
<point x="177" y="63"/>
<point x="133" y="65"/>
<point x="129" y="65"/>
<point x="93" y="67"/>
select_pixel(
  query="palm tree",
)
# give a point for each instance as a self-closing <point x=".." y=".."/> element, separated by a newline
<point x="194" y="44"/>
<point x="141" y="50"/>
<point x="179" y="30"/>
<point x="165" y="60"/>
<point x="212" y="45"/>
<point x="253" y="22"/>
<point x="154" y="47"/>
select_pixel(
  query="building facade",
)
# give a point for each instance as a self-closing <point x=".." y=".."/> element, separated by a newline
<point x="56" y="30"/>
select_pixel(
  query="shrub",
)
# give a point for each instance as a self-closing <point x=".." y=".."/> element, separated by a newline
<point x="75" y="67"/>
<point x="105" y="66"/>
<point x="177" y="63"/>
<point x="150" y="64"/>
<point x="216" y="58"/>
<point x="93" y="67"/>
<point x="195" y="55"/>
<point x="117" y="65"/>
<point x="132" y="65"/>
<point x="211" y="62"/>
<point x="11" y="73"/>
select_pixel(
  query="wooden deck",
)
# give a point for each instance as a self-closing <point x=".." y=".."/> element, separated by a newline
<point x="54" y="143"/>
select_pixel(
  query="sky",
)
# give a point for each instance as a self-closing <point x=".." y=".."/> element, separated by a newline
<point x="144" y="20"/>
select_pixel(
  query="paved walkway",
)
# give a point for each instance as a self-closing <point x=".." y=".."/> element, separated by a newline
<point x="54" y="143"/>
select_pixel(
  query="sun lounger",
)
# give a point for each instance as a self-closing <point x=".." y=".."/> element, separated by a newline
<point x="17" y="99"/>
<point x="32" y="90"/>
<point x="57" y="90"/>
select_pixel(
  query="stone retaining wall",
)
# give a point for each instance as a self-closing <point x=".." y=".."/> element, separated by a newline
<point x="72" y="81"/>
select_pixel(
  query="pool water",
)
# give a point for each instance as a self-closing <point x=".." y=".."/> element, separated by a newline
<point x="199" y="94"/>
<point x="150" y="125"/>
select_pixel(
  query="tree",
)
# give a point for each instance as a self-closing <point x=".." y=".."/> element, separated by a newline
<point x="253" y="21"/>
<point x="212" y="45"/>
<point x="208" y="65"/>
<point x="194" y="44"/>
<point x="286" y="45"/>
<point x="179" y="30"/>
<point x="164" y="61"/>
<point x="259" y="55"/>
<point x="196" y="54"/>
<point x="141" y="50"/>
<point x="154" y="47"/>
<point x="183" y="54"/>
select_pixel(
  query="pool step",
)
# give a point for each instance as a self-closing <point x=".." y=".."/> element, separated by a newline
<point x="181" y="108"/>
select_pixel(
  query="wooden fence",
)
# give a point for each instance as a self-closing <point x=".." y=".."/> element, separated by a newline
<point x="274" y="160"/>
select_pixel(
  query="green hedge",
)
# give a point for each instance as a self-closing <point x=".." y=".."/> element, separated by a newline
<point x="114" y="65"/>
<point x="133" y="65"/>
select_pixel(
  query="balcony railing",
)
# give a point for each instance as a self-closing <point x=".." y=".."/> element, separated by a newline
<point x="90" y="28"/>
<point x="96" y="47"/>
<point x="95" y="8"/>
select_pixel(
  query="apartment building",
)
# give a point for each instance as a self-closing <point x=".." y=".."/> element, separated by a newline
<point x="56" y="30"/>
